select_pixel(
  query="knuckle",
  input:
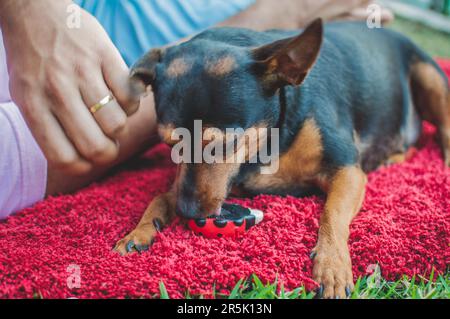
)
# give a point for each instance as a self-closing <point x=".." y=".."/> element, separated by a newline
<point x="55" y="62"/>
<point x="100" y="152"/>
<point x="20" y="89"/>
<point x="69" y="163"/>
<point x="84" y="71"/>
<point x="129" y="101"/>
<point x="117" y="125"/>
<point x="53" y="85"/>
<point x="96" y="151"/>
<point x="62" y="160"/>
<point x="131" y="108"/>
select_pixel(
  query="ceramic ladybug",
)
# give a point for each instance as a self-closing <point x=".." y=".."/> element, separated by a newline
<point x="233" y="220"/>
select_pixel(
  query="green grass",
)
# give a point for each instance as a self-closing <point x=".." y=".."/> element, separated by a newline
<point x="365" y="288"/>
<point x="435" y="42"/>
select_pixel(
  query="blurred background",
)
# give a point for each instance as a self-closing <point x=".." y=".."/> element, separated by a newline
<point x="427" y="22"/>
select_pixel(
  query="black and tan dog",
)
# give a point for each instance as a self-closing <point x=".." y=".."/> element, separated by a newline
<point x="345" y="98"/>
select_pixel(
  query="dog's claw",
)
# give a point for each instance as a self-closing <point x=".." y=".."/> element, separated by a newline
<point x="319" y="291"/>
<point x="139" y="248"/>
<point x="142" y="248"/>
<point x="140" y="240"/>
<point x="158" y="224"/>
<point x="313" y="255"/>
<point x="130" y="246"/>
<point x="348" y="291"/>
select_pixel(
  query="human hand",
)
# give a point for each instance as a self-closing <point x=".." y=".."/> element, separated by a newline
<point x="57" y="73"/>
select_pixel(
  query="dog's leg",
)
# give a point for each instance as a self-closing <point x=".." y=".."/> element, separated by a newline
<point x="332" y="263"/>
<point x="159" y="213"/>
<point x="399" y="158"/>
<point x="432" y="99"/>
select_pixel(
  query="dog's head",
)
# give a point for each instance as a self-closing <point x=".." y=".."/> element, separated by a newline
<point x="226" y="87"/>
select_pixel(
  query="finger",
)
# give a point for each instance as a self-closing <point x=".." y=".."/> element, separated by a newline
<point x="56" y="146"/>
<point x="81" y="127"/>
<point x="111" y="117"/>
<point x="116" y="74"/>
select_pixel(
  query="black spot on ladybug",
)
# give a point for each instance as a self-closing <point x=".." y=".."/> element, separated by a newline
<point x="219" y="235"/>
<point x="251" y="221"/>
<point x="239" y="222"/>
<point x="200" y="222"/>
<point x="220" y="223"/>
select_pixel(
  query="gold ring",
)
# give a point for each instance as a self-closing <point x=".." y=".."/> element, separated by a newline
<point x="103" y="102"/>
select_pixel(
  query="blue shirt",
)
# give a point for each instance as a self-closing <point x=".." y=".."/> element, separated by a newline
<point x="136" y="26"/>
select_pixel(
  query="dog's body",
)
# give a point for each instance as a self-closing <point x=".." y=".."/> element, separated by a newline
<point x="346" y="100"/>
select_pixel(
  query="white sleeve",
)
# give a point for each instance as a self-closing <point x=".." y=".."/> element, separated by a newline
<point x="23" y="168"/>
<point x="4" y="79"/>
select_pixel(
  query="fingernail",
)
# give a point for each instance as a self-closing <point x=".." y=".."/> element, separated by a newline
<point x="130" y="246"/>
<point x="158" y="224"/>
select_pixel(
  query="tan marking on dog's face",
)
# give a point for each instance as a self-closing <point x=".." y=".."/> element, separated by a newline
<point x="301" y="163"/>
<point x="211" y="182"/>
<point x="246" y="145"/>
<point x="165" y="133"/>
<point x="178" y="67"/>
<point x="221" y="67"/>
<point x="181" y="174"/>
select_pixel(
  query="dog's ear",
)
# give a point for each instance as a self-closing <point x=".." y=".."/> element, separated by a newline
<point x="288" y="61"/>
<point x="144" y="71"/>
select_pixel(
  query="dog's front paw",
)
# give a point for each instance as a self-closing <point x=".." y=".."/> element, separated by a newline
<point x="333" y="271"/>
<point x="139" y="240"/>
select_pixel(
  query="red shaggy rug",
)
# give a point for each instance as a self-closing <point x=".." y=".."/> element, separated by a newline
<point x="403" y="227"/>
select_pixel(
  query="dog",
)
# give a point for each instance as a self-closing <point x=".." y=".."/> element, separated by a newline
<point x="345" y="98"/>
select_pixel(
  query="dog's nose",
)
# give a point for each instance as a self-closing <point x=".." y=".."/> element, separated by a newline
<point x="188" y="209"/>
